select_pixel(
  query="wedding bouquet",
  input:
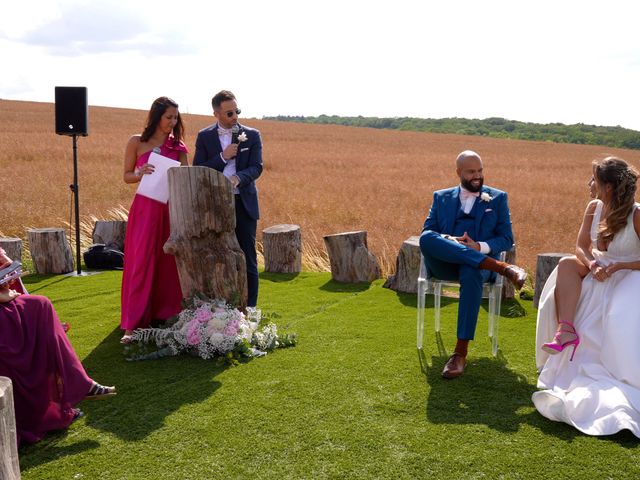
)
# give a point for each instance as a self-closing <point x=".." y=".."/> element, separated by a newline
<point x="208" y="329"/>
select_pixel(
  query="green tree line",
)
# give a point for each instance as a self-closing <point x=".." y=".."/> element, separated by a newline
<point x="489" y="127"/>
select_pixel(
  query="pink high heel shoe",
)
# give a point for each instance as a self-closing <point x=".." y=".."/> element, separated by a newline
<point x="556" y="346"/>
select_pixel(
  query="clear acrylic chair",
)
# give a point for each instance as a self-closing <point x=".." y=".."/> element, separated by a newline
<point x="432" y="285"/>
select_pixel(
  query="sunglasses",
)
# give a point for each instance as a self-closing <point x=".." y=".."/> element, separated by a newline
<point x="230" y="113"/>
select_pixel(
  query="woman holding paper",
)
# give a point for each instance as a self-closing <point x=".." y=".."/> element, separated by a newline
<point x="150" y="284"/>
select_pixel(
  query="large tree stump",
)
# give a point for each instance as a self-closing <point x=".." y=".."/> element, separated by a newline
<point x="110" y="232"/>
<point x="350" y="259"/>
<point x="544" y="266"/>
<point x="203" y="239"/>
<point x="508" y="290"/>
<point x="50" y="250"/>
<point x="13" y="247"/>
<point x="9" y="465"/>
<point x="282" y="248"/>
<point x="407" y="267"/>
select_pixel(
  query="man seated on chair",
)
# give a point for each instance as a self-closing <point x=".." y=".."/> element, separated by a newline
<point x="467" y="228"/>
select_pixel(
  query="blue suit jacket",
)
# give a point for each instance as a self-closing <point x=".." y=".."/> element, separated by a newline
<point x="493" y="219"/>
<point x="248" y="162"/>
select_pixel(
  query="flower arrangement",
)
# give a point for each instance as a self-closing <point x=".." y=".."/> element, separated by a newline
<point x="208" y="329"/>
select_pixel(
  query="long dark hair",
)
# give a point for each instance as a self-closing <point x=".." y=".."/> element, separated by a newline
<point x="158" y="107"/>
<point x="623" y="178"/>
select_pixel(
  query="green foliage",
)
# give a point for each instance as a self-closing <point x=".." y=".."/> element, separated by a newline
<point x="489" y="127"/>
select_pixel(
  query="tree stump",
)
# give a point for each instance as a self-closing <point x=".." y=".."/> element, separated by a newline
<point x="203" y="239"/>
<point x="508" y="290"/>
<point x="50" y="250"/>
<point x="13" y="247"/>
<point x="544" y="266"/>
<point x="110" y="232"/>
<point x="282" y="248"/>
<point x="9" y="465"/>
<point x="350" y="259"/>
<point x="407" y="267"/>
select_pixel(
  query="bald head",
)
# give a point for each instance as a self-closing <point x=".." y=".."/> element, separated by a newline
<point x="462" y="156"/>
<point x="469" y="169"/>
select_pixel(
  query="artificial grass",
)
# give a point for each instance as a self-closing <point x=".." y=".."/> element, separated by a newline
<point x="353" y="399"/>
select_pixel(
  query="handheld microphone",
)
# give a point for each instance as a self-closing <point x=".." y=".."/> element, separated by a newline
<point x="235" y="131"/>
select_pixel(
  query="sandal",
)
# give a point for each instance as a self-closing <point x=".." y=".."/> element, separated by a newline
<point x="126" y="339"/>
<point x="100" y="391"/>
<point x="77" y="413"/>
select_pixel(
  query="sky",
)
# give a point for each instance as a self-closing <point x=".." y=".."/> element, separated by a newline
<point x="536" y="61"/>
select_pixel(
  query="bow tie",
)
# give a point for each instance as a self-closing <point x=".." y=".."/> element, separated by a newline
<point x="466" y="194"/>
<point x="224" y="131"/>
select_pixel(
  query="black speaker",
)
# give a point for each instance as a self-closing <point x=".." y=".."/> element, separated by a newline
<point x="72" y="111"/>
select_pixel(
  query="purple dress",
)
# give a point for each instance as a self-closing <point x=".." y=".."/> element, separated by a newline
<point x="150" y="283"/>
<point x="35" y="353"/>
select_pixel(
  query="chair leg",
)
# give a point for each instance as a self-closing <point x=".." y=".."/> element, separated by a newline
<point x="492" y="311"/>
<point x="496" y="322"/>
<point x="437" y="295"/>
<point x="421" y="307"/>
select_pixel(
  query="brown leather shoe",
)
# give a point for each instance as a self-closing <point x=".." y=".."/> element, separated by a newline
<point x="454" y="366"/>
<point x="516" y="275"/>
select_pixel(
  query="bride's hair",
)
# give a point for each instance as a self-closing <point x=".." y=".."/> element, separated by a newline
<point x="623" y="178"/>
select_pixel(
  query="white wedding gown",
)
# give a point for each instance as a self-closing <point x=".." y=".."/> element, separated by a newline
<point x="599" y="391"/>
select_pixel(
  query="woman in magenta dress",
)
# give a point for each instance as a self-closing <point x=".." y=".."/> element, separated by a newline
<point x="35" y="353"/>
<point x="150" y="283"/>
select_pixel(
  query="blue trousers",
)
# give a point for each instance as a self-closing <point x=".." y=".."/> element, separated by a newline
<point x="246" y="234"/>
<point x="447" y="260"/>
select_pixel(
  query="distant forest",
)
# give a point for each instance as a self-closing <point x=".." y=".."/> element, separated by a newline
<point x="489" y="127"/>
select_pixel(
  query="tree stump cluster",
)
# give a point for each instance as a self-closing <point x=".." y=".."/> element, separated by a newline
<point x="282" y="248"/>
<point x="350" y="259"/>
<point x="50" y="250"/>
<point x="9" y="465"/>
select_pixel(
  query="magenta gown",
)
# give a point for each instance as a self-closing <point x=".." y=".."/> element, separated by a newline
<point x="150" y="283"/>
<point x="35" y="353"/>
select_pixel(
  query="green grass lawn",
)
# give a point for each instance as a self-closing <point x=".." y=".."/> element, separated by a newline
<point x="351" y="400"/>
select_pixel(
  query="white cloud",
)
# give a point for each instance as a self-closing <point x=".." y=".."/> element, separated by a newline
<point x="545" y="61"/>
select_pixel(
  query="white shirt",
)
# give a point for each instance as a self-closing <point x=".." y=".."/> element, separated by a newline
<point x="467" y="205"/>
<point x="230" y="165"/>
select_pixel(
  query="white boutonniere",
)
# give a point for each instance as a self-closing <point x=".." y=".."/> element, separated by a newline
<point x="242" y="137"/>
<point x="485" y="197"/>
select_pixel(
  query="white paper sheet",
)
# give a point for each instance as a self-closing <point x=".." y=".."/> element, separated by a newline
<point x="156" y="184"/>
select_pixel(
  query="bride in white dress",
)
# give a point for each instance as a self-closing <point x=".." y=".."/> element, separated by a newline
<point x="590" y="315"/>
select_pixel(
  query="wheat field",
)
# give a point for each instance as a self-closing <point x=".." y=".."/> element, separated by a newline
<point x="325" y="178"/>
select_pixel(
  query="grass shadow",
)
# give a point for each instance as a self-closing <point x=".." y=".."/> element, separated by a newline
<point x="489" y="393"/>
<point x="278" y="277"/>
<point x="148" y="391"/>
<point x="48" y="450"/>
<point x="339" y="287"/>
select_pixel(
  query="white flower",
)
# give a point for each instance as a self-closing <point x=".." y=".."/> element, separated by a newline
<point x="242" y="137"/>
<point x="485" y="197"/>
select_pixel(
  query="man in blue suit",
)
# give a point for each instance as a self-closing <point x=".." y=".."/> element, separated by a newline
<point x="236" y="151"/>
<point x="467" y="228"/>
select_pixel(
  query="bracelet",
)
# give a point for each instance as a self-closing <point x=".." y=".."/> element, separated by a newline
<point x="137" y="172"/>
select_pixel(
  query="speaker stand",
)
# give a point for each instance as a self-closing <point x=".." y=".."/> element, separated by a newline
<point x="74" y="189"/>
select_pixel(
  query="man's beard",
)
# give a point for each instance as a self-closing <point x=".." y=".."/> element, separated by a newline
<point x="472" y="188"/>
